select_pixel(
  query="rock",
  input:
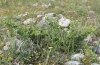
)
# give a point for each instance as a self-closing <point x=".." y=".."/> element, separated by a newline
<point x="95" y="64"/>
<point x="72" y="63"/>
<point x="28" y="21"/>
<point x="16" y="62"/>
<point x="43" y="22"/>
<point x="49" y="15"/>
<point x="77" y="57"/>
<point x="97" y="49"/>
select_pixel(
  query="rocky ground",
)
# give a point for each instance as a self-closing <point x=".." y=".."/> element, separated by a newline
<point x="51" y="32"/>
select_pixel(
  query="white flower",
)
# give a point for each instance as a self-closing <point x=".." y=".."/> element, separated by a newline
<point x="78" y="56"/>
<point x="28" y="21"/>
<point x="45" y="5"/>
<point x="63" y="22"/>
<point x="40" y="15"/>
<point x="50" y="47"/>
<point x="5" y="47"/>
<point x="88" y="39"/>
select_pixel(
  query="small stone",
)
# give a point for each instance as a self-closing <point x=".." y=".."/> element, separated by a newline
<point x="88" y="38"/>
<point x="30" y="64"/>
<point x="16" y="63"/>
<point x="98" y="50"/>
<point x="1" y="51"/>
<point x="95" y="64"/>
<point x="5" y="47"/>
<point x="72" y="63"/>
<point x="49" y="15"/>
<point x="43" y="22"/>
<point x="77" y="57"/>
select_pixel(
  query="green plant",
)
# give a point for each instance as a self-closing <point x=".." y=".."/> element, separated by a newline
<point x="35" y="40"/>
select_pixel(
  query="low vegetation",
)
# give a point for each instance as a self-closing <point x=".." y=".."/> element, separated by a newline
<point x="48" y="32"/>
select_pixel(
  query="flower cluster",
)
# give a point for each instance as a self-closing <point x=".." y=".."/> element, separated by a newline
<point x="63" y="22"/>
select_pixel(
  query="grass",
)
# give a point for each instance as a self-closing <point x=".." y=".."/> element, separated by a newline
<point x="34" y="41"/>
